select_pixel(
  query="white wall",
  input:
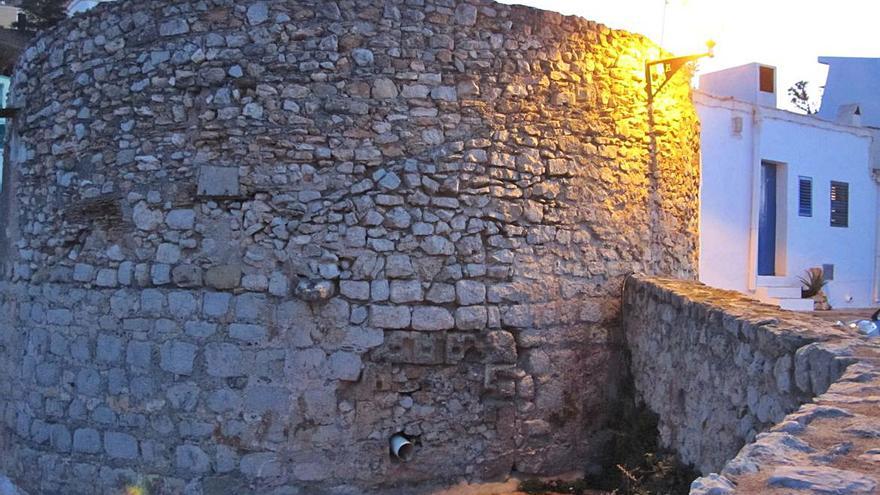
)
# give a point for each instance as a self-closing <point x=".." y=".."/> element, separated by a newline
<point x="725" y="195"/>
<point x="741" y="82"/>
<point x="806" y="146"/>
<point x="852" y="80"/>
<point x="825" y="155"/>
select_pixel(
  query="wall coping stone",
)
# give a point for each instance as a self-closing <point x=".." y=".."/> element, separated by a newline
<point x="830" y="444"/>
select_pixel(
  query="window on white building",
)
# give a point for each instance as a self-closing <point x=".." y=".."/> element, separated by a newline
<point x="767" y="79"/>
<point x="805" y="196"/>
<point x="839" y="204"/>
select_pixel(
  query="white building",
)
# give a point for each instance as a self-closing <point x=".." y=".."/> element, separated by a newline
<point x="783" y="192"/>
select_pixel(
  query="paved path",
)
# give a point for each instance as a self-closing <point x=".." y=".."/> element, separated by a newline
<point x="845" y="315"/>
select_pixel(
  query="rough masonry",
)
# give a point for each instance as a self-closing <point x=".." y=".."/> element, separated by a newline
<point x="247" y="242"/>
<point x="760" y="400"/>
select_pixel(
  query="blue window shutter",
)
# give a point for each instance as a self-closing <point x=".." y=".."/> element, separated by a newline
<point x="805" y="196"/>
<point x="839" y="204"/>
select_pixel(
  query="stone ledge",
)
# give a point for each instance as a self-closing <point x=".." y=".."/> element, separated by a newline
<point x="830" y="445"/>
<point x="831" y="442"/>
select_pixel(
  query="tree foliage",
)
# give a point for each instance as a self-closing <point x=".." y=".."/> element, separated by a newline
<point x="800" y="97"/>
<point x="40" y="14"/>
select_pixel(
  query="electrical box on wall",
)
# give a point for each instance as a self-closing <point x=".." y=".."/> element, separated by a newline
<point x="828" y="271"/>
<point x="736" y="126"/>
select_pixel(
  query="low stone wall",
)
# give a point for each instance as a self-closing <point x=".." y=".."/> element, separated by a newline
<point x="797" y="395"/>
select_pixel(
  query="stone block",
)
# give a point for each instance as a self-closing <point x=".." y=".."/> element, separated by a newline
<point x="432" y="318"/>
<point x="465" y="14"/>
<point x="186" y="276"/>
<point x="384" y="88"/>
<point x="415" y="91"/>
<point x="59" y="439"/>
<point x="379" y="290"/>
<point x="320" y="405"/>
<point x="500" y="347"/>
<point x="821" y="479"/>
<point x="125" y="274"/>
<point x="117" y="382"/>
<point x="177" y="357"/>
<point x="223" y="360"/>
<point x="88" y="382"/>
<point x="168" y="253"/>
<point x="216" y="304"/>
<point x="436" y="245"/>
<point x="142" y="387"/>
<point x="152" y="302"/>
<point x="47" y="374"/>
<point x="160" y="274"/>
<point x="713" y="484"/>
<point x="139" y="355"/>
<point x="107" y="277"/>
<point x="191" y="458"/>
<point x="218" y="182"/>
<point x="256" y="282"/>
<point x="86" y="441"/>
<point x="356" y="290"/>
<point x="223" y="277"/>
<point x="108" y="349"/>
<point x="398" y="266"/>
<point x="61" y="317"/>
<point x="181" y="304"/>
<point x="146" y="218"/>
<point x="444" y="93"/>
<point x="183" y="396"/>
<point x="390" y="316"/>
<point x="225" y="459"/>
<point x="173" y="27"/>
<point x="404" y="291"/>
<point x="200" y="329"/>
<point x="251" y="334"/>
<point x="345" y="366"/>
<point x="257" y="13"/>
<point x="120" y="445"/>
<point x="440" y="293"/>
<point x="279" y="285"/>
<point x="362" y="57"/>
<point x="471" y="318"/>
<point x="182" y="219"/>
<point x="469" y="292"/>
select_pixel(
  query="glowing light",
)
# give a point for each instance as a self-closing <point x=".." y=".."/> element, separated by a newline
<point x="135" y="490"/>
<point x="689" y="23"/>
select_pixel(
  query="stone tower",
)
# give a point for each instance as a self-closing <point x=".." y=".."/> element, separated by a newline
<point x="248" y="242"/>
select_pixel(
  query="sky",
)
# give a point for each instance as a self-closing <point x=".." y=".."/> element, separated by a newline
<point x="788" y="34"/>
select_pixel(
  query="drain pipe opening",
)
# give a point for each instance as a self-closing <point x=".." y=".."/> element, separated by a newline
<point x="401" y="447"/>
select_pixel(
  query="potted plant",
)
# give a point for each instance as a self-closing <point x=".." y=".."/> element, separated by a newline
<point x="813" y="283"/>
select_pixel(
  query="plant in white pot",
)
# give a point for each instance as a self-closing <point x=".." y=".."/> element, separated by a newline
<point x="813" y="283"/>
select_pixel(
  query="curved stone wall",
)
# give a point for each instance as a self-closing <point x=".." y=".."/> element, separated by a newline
<point x="247" y="242"/>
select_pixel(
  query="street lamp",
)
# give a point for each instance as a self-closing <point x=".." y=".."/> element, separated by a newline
<point x="670" y="67"/>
